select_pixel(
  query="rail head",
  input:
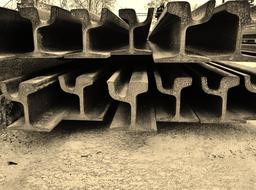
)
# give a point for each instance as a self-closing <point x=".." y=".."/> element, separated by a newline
<point x="87" y="18"/>
<point x="87" y="79"/>
<point x="250" y="83"/>
<point x="66" y="83"/>
<point x="32" y="14"/>
<point x="9" y="14"/>
<point x="10" y="88"/>
<point x="239" y="8"/>
<point x="227" y="81"/>
<point x="176" y="84"/>
<point x="127" y="88"/>
<point x="109" y="18"/>
<point x="179" y="8"/>
<point x="225" y="84"/>
<point x="35" y="84"/>
<point x="129" y="16"/>
<point x="61" y="14"/>
<point x="46" y="17"/>
<point x="138" y="84"/>
<point x="116" y="89"/>
<point x="83" y="15"/>
<point x="203" y="13"/>
<point x="249" y="78"/>
<point x="74" y="82"/>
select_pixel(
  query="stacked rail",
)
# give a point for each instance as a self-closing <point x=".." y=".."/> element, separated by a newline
<point x="193" y="66"/>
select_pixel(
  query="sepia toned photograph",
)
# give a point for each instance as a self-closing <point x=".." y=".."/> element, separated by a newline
<point x="127" y="94"/>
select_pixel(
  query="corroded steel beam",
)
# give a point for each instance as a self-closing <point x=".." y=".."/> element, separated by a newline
<point x="14" y="67"/>
<point x="110" y="34"/>
<point x="88" y="21"/>
<point x="55" y="31"/>
<point x="173" y="80"/>
<point x="168" y="38"/>
<point x="211" y="94"/>
<point x="15" y="34"/>
<point x="242" y="99"/>
<point x="94" y="101"/>
<point x="221" y="37"/>
<point x="40" y="98"/>
<point x="130" y="88"/>
<point x="246" y="66"/>
<point x="138" y="32"/>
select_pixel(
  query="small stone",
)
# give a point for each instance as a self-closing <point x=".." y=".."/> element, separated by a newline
<point x="10" y="163"/>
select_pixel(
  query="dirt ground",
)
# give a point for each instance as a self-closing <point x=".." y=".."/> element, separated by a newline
<point x="177" y="157"/>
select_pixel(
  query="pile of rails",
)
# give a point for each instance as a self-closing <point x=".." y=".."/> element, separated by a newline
<point x="194" y="66"/>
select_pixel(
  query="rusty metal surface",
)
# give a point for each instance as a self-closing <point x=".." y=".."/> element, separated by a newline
<point x="94" y="102"/>
<point x="241" y="104"/>
<point x="168" y="39"/>
<point x="101" y="36"/>
<point x="88" y="21"/>
<point x="180" y="35"/>
<point x="172" y="81"/>
<point x="55" y="32"/>
<point x="130" y="88"/>
<point x="138" y="32"/>
<point x="40" y="98"/>
<point x="246" y="66"/>
<point x="9" y="111"/>
<point x="109" y="35"/>
<point x="221" y="37"/>
<point x="207" y="92"/>
<point x="14" y="67"/>
<point x="218" y="87"/>
<point x="210" y="92"/>
<point x="184" y="36"/>
<point x="15" y="34"/>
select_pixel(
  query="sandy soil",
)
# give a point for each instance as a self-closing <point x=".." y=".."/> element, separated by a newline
<point x="177" y="157"/>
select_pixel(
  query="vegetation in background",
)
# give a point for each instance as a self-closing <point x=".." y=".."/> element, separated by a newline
<point x="94" y="6"/>
<point x="157" y="3"/>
